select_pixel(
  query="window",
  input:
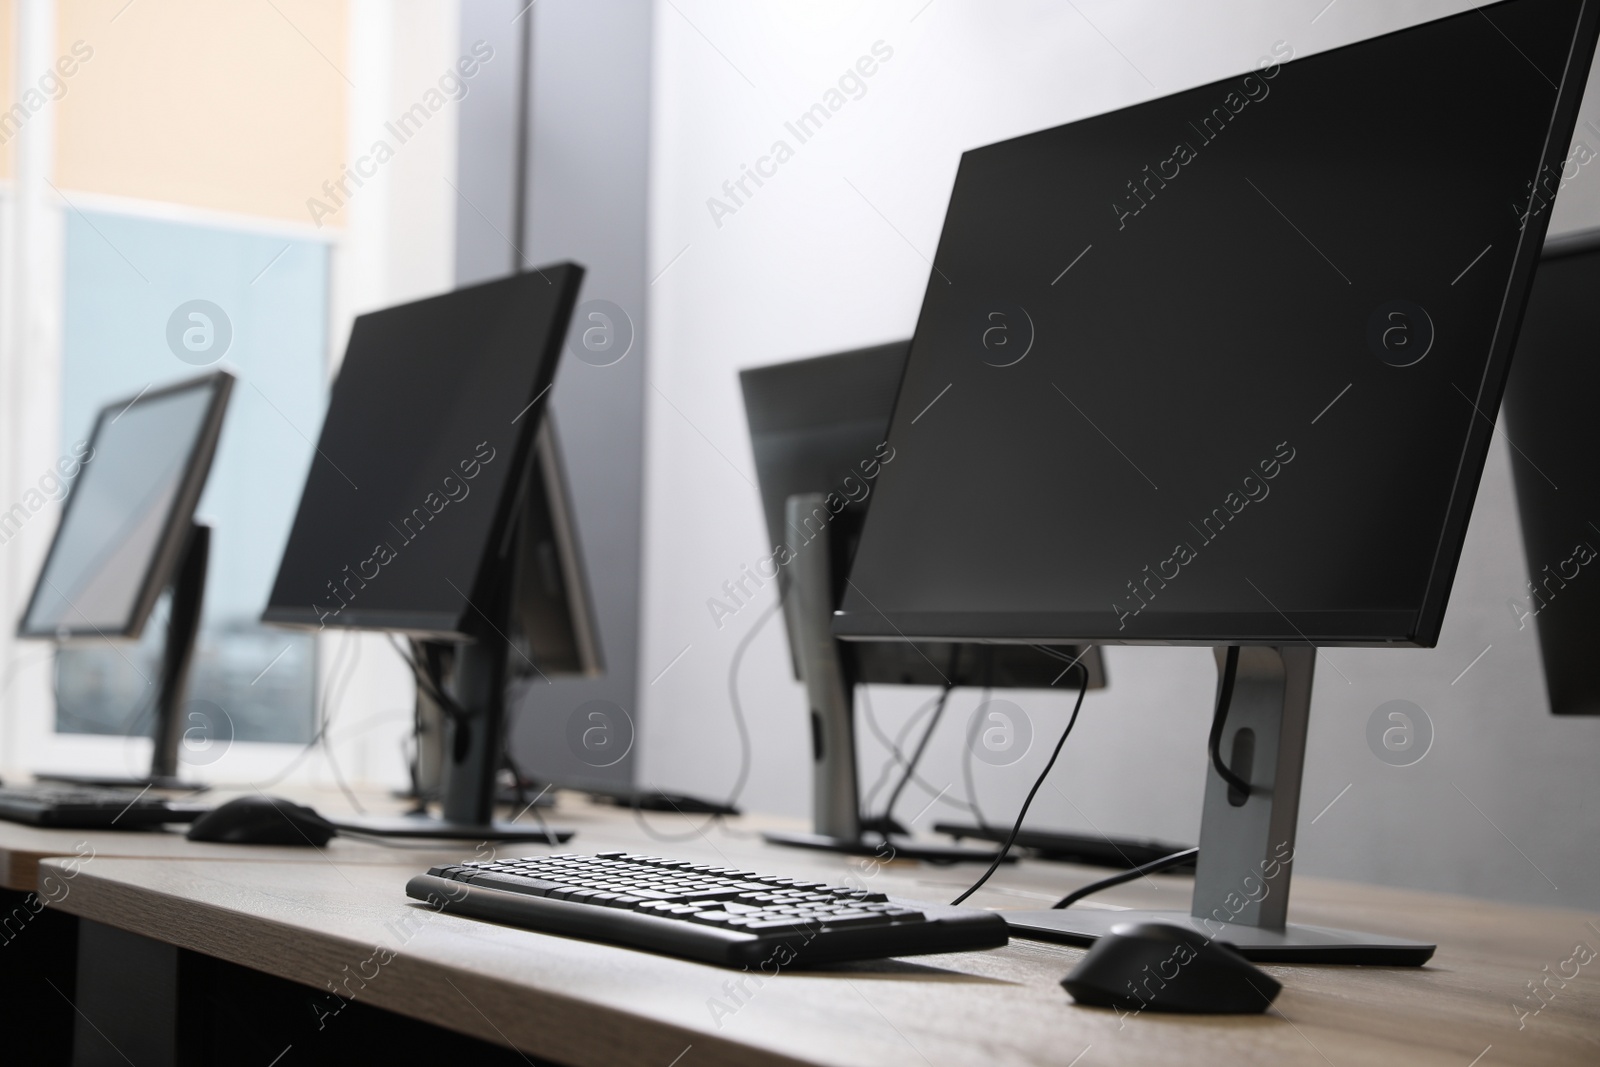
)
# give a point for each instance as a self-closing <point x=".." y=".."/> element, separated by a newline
<point x="125" y="278"/>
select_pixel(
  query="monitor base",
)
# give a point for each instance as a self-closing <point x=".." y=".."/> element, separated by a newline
<point x="892" y="847"/>
<point x="1092" y="850"/>
<point x="108" y="781"/>
<point x="427" y="826"/>
<point x="1292" y="944"/>
<point x="655" y="800"/>
<point x="533" y="798"/>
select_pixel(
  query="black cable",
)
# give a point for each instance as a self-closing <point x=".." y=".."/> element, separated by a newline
<point x="745" y="750"/>
<point x="966" y="748"/>
<point x="1230" y="668"/>
<point x="1140" y="871"/>
<point x="401" y="844"/>
<point x="887" y="818"/>
<point x="412" y="654"/>
<point x="988" y="680"/>
<point x="327" y="741"/>
<point x="325" y="715"/>
<point x="412" y="748"/>
<point x="423" y="670"/>
<point x="896" y="756"/>
<point x="966" y="769"/>
<point x="427" y="683"/>
<point x="738" y="709"/>
<point x="916" y="757"/>
<point x="549" y="835"/>
<point x="1016" y="827"/>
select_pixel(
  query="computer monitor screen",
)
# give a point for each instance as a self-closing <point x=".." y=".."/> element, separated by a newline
<point x="820" y="425"/>
<point x="1549" y="413"/>
<point x="132" y="499"/>
<point x="1223" y="367"/>
<point x="408" y="506"/>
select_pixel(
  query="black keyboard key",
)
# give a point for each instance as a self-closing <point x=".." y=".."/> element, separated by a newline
<point x="777" y="926"/>
<point x="512" y="883"/>
<point x="853" y="918"/>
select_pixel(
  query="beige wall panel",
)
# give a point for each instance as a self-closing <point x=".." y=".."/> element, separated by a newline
<point x="236" y="106"/>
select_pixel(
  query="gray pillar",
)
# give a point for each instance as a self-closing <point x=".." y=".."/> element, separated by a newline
<point x="586" y="191"/>
<point x="1247" y="842"/>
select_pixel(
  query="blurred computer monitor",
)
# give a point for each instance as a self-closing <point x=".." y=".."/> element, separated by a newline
<point x="127" y="534"/>
<point x="1221" y="369"/>
<point x="1549" y="413"/>
<point x="820" y="425"/>
<point x="818" y="429"/>
<point x="429" y="513"/>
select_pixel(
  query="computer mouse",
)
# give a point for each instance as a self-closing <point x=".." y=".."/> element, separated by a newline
<point x="1153" y="966"/>
<point x="262" y="820"/>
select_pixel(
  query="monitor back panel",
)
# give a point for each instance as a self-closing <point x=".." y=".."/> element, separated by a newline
<point x="409" y="499"/>
<point x="135" y="484"/>
<point x="1549" y="413"/>
<point x="1222" y="367"/>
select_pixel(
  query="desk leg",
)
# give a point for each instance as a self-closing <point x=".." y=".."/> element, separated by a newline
<point x="38" y="958"/>
<point x="151" y="1004"/>
<point x="126" y="999"/>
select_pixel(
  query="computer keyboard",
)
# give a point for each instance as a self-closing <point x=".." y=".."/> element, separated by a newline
<point x="701" y="911"/>
<point x="76" y="807"/>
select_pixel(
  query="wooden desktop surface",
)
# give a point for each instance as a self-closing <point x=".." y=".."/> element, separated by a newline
<point x="22" y="847"/>
<point x="321" y="920"/>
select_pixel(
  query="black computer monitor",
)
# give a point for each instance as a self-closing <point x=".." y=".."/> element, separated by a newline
<point x="1549" y="413"/>
<point x="1254" y="339"/>
<point x="821" y="425"/>
<point x="428" y="512"/>
<point x="128" y="533"/>
<point x="552" y="628"/>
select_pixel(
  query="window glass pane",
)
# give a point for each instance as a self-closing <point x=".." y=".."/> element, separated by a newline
<point x="130" y="288"/>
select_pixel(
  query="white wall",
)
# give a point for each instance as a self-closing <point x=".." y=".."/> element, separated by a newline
<point x="31" y="236"/>
<point x="831" y="253"/>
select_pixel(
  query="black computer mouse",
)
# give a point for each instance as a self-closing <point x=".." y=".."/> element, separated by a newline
<point x="1153" y="966"/>
<point x="262" y="820"/>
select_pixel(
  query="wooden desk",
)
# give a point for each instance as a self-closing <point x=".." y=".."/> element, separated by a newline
<point x="22" y="847"/>
<point x="39" y="948"/>
<point x="580" y="1003"/>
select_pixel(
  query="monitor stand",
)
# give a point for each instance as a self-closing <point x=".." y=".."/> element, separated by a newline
<point x="835" y="800"/>
<point x="472" y="762"/>
<point x="1241" y="886"/>
<point x="1087" y="850"/>
<point x="183" y="628"/>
